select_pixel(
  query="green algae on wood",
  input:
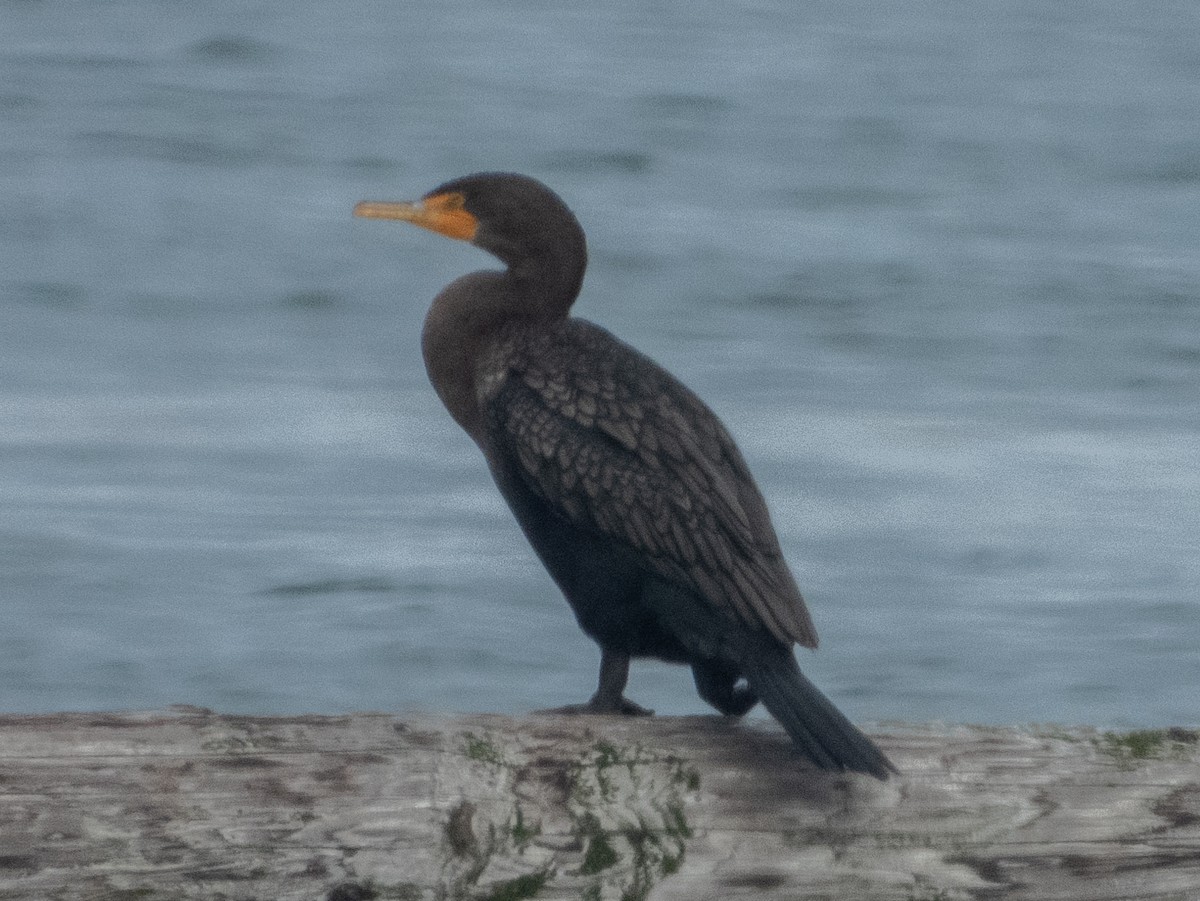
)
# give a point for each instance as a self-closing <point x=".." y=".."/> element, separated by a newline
<point x="1148" y="744"/>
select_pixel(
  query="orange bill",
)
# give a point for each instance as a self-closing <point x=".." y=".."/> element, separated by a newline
<point x="445" y="214"/>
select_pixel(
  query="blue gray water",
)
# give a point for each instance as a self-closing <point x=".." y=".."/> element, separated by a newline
<point x="935" y="263"/>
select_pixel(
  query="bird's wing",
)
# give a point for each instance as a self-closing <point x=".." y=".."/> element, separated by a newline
<point x="617" y="446"/>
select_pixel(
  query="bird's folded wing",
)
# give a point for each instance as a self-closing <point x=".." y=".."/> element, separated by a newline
<point x="617" y="446"/>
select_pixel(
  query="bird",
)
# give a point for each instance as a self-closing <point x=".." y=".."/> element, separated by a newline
<point x="629" y="488"/>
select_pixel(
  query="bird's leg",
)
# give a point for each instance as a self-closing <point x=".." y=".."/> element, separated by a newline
<point x="609" y="696"/>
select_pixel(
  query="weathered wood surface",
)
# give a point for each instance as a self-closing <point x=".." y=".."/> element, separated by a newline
<point x="189" y="804"/>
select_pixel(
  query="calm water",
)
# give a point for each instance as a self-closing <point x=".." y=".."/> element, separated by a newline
<point x="936" y="264"/>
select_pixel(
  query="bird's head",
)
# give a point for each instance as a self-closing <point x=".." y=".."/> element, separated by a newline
<point x="514" y="217"/>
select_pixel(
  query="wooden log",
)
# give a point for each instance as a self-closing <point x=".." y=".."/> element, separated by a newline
<point x="187" y="804"/>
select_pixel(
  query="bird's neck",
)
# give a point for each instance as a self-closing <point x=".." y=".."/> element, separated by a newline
<point x="466" y="319"/>
<point x="544" y="288"/>
<point x="539" y="286"/>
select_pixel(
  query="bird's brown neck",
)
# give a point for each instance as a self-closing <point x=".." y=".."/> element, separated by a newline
<point x="470" y="313"/>
<point x="545" y="289"/>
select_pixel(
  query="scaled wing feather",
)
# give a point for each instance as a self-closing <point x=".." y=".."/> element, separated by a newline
<point x="617" y="446"/>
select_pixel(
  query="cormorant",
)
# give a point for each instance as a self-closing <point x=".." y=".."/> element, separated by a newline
<point x="629" y="488"/>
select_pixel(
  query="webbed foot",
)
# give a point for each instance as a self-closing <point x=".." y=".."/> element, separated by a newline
<point x="609" y="697"/>
<point x="721" y="685"/>
<point x="598" y="705"/>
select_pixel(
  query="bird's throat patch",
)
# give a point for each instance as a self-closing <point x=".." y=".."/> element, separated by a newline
<point x="447" y="215"/>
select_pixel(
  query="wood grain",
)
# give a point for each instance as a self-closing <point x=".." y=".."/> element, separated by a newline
<point x="189" y="804"/>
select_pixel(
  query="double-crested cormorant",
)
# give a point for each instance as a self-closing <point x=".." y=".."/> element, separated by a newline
<point x="628" y="487"/>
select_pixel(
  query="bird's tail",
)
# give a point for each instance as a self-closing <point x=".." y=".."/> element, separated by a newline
<point x="818" y="728"/>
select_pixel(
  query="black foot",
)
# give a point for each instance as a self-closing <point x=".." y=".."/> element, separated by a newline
<point x="608" y="699"/>
<point x="720" y="684"/>
<point x="622" y="706"/>
<point x="739" y="701"/>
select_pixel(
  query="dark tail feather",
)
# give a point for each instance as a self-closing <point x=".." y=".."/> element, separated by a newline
<point x="818" y="728"/>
